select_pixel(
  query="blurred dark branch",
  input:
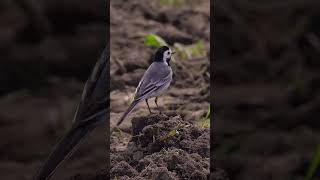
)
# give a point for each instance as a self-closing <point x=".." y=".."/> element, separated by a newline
<point x="39" y="22"/>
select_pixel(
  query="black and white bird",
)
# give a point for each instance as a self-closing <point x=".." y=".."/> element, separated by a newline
<point x="92" y="111"/>
<point x="154" y="82"/>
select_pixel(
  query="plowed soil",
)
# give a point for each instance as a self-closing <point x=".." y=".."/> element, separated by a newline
<point x="266" y="88"/>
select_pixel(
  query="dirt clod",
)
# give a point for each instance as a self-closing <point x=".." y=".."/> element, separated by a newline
<point x="158" y="150"/>
<point x="121" y="169"/>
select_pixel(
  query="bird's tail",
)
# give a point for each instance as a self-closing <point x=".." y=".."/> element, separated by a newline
<point x="63" y="150"/>
<point x="130" y="108"/>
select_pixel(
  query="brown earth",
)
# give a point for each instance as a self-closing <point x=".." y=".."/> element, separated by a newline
<point x="154" y="152"/>
<point x="266" y="87"/>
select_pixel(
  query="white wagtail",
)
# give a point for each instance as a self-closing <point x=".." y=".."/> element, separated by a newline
<point x="154" y="82"/>
<point x="91" y="112"/>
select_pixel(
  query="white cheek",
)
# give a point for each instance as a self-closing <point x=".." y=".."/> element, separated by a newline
<point x="166" y="56"/>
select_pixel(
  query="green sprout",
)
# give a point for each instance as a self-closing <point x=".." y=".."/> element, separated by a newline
<point x="172" y="133"/>
<point x="205" y="122"/>
<point x="314" y="164"/>
<point x="153" y="40"/>
<point x="196" y="50"/>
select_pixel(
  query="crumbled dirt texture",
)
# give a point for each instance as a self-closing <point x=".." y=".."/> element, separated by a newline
<point x="47" y="50"/>
<point x="143" y="149"/>
<point x="162" y="147"/>
<point x="266" y="87"/>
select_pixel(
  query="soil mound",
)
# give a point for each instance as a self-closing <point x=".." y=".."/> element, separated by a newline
<point x="162" y="147"/>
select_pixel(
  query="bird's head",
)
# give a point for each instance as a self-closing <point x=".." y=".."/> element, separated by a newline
<point x="163" y="54"/>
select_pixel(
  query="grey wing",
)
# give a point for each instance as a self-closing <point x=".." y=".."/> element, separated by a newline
<point x="154" y="78"/>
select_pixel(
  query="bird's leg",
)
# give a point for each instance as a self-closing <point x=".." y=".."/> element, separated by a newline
<point x="148" y="106"/>
<point x="156" y="101"/>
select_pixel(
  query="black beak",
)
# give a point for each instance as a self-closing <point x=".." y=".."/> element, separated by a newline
<point x="173" y="52"/>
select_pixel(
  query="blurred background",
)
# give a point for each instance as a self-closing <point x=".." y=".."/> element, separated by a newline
<point x="47" y="51"/>
<point x="266" y="88"/>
